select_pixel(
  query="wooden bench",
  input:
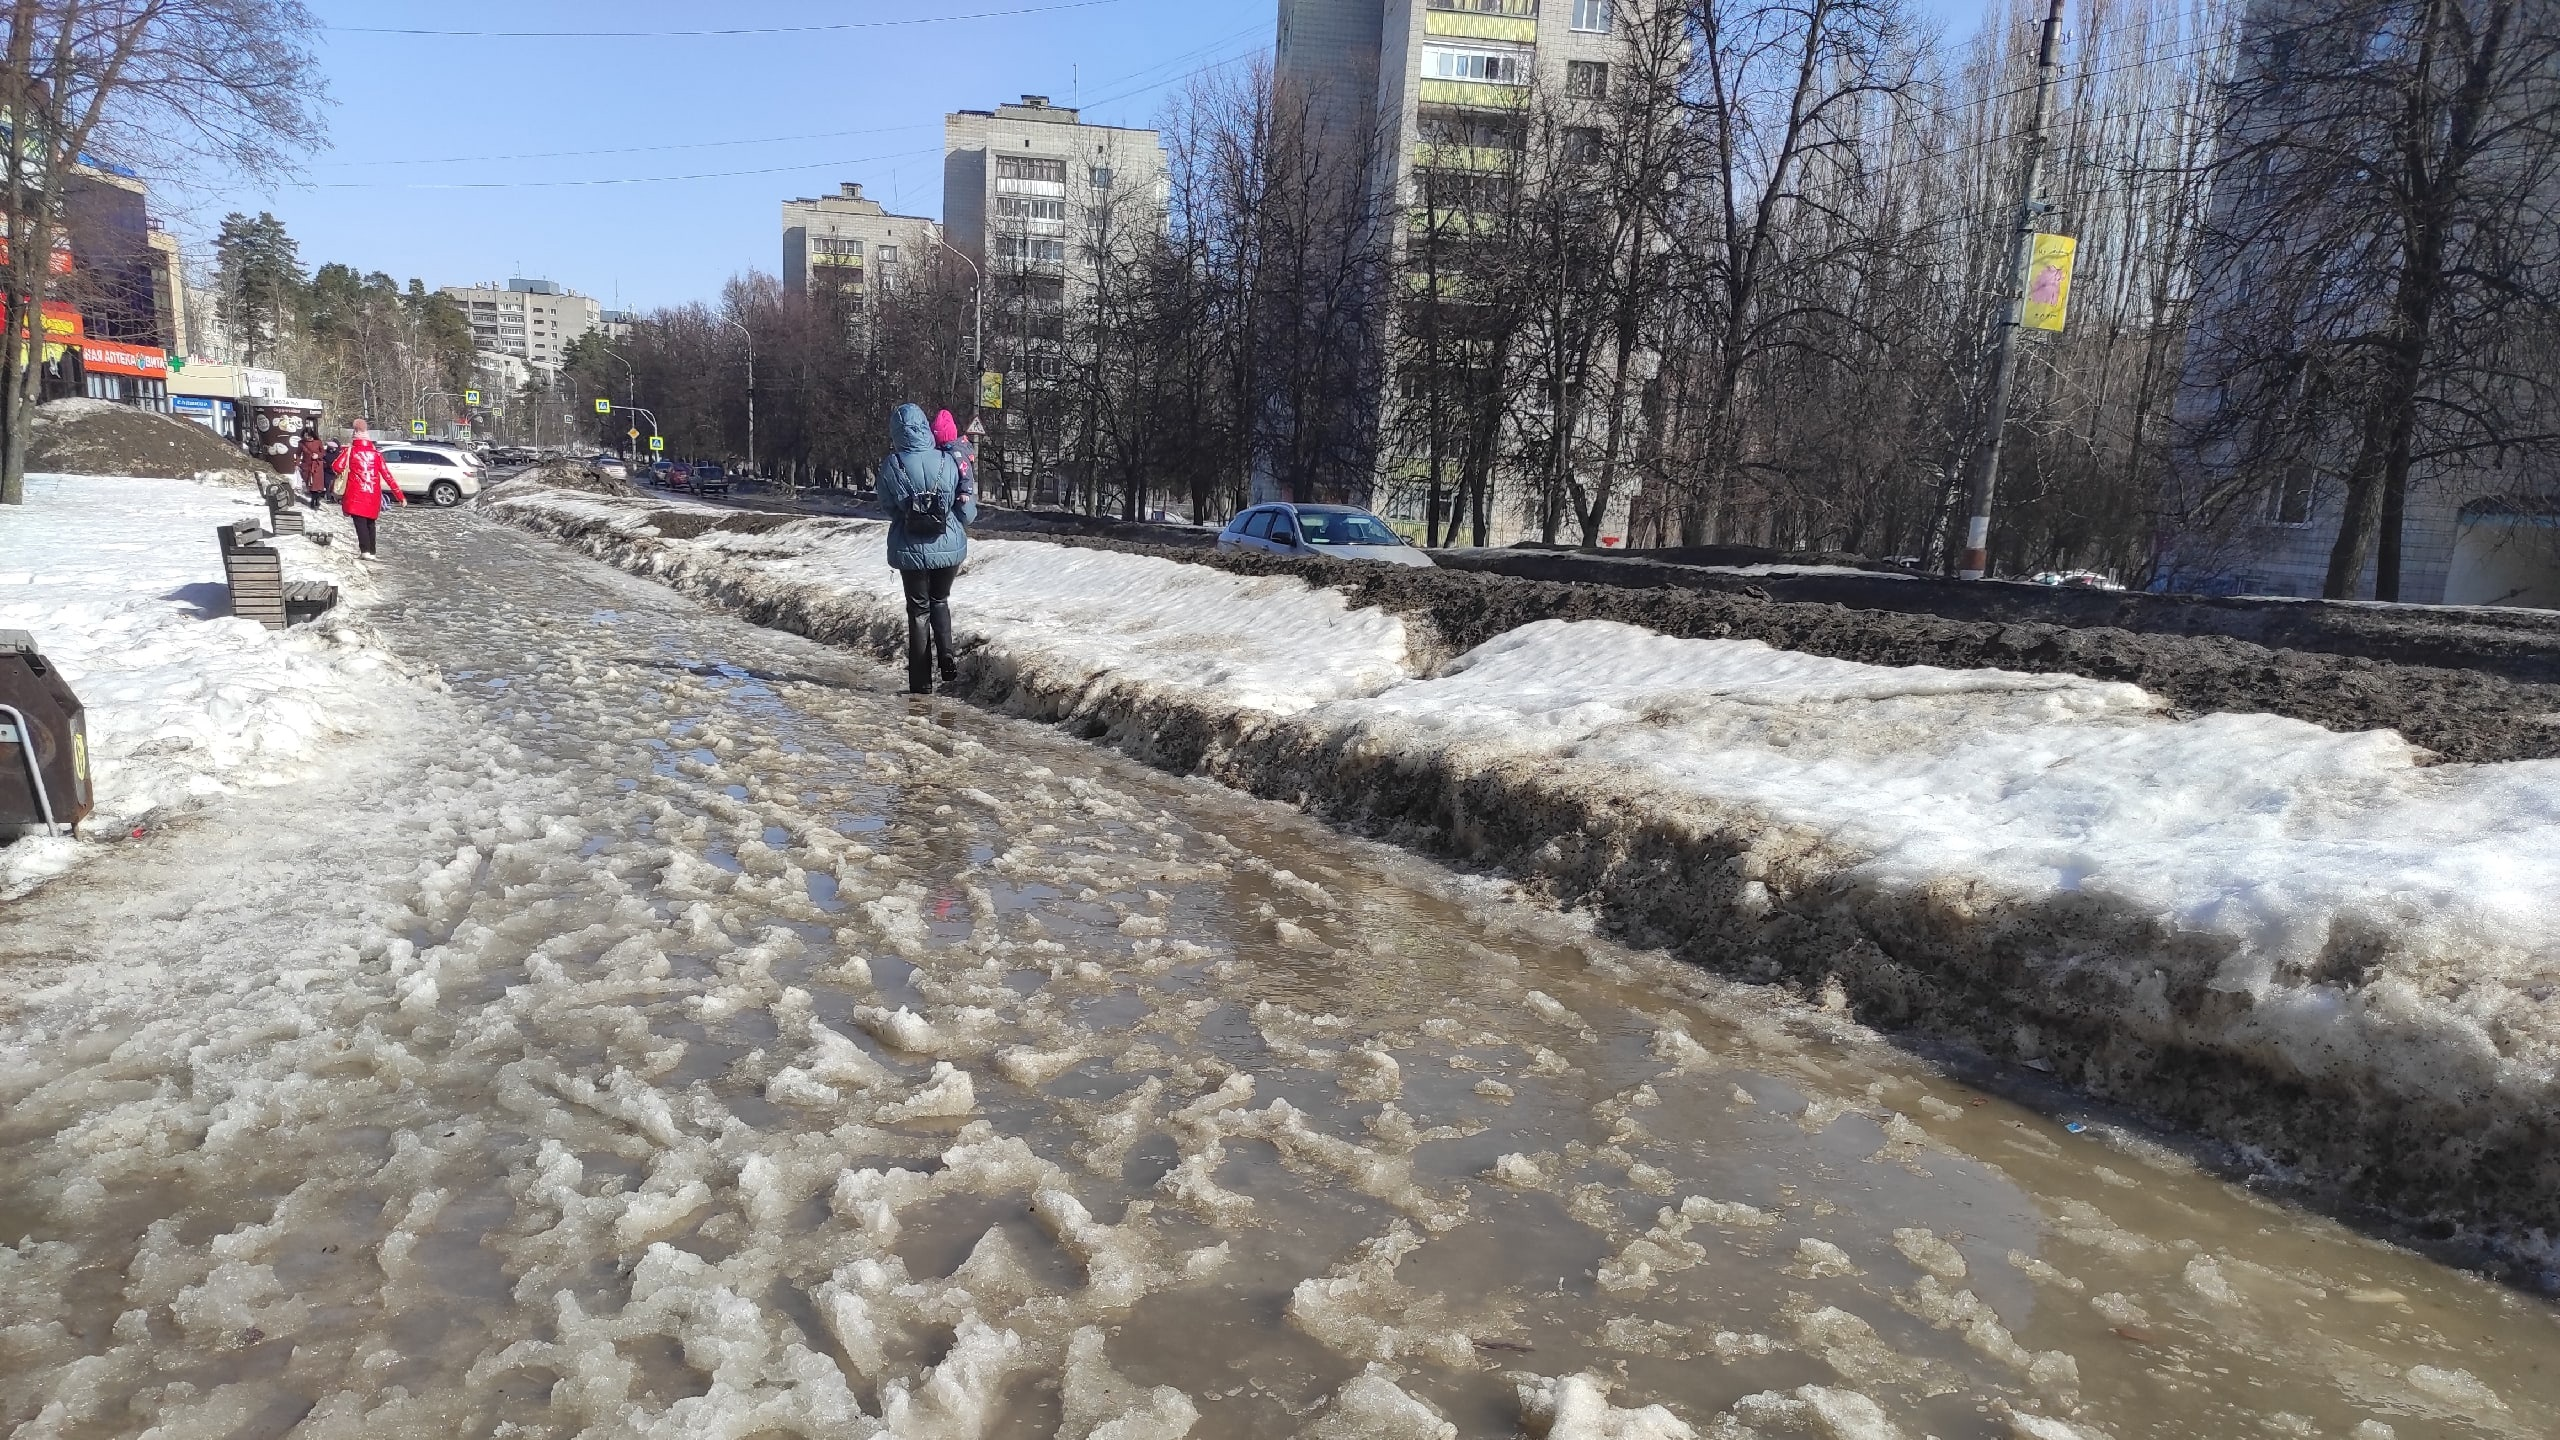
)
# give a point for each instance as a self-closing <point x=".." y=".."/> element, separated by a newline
<point x="258" y="588"/>
<point x="285" y="508"/>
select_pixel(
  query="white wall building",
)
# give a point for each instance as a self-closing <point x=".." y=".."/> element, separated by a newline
<point x="851" y="243"/>
<point x="532" y="320"/>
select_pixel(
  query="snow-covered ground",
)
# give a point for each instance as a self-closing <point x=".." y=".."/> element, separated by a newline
<point x="2326" y="911"/>
<point x="676" y="1034"/>
<point x="116" y="578"/>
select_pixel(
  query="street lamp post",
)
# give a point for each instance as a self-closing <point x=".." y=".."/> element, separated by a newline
<point x="630" y="389"/>
<point x="979" y="305"/>
<point x="751" y="391"/>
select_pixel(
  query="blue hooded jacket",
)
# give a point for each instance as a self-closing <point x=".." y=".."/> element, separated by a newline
<point x="912" y="466"/>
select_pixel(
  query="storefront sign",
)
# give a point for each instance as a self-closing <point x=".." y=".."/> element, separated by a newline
<point x="106" y="357"/>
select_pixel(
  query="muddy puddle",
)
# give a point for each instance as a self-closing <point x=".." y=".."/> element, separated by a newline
<point x="726" y="1047"/>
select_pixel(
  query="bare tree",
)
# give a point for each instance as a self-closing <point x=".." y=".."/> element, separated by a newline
<point x="2385" y="244"/>
<point x="140" y="82"/>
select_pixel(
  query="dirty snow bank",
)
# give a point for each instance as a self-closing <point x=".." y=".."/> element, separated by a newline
<point x="115" y="576"/>
<point x="1053" y="618"/>
<point x="2309" y="944"/>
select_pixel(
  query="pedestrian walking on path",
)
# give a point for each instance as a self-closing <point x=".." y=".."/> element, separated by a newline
<point x="311" y="459"/>
<point x="362" y="477"/>
<point x="929" y="502"/>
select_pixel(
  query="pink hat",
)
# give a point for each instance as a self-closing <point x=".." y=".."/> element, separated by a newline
<point x="945" y="429"/>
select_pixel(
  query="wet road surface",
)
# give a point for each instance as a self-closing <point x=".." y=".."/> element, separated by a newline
<point x="677" y="1032"/>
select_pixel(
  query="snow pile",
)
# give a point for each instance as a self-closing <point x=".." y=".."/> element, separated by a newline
<point x="114" y="577"/>
<point x="1057" y="619"/>
<point x="2051" y="866"/>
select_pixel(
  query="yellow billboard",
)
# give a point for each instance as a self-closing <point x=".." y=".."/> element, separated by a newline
<point x="2048" y="302"/>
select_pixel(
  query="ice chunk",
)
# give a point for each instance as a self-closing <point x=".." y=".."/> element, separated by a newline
<point x="1102" y="1404"/>
<point x="2204" y="1277"/>
<point x="2024" y="1426"/>
<point x="1822" y="1260"/>
<point x="1576" y="1407"/>
<point x="2457" y="1388"/>
<point x="1924" y="1249"/>
<point x="948" y="1093"/>
<point x="1817" y="1410"/>
<point x="1374" y="1407"/>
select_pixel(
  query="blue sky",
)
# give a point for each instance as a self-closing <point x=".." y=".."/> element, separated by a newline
<point x="449" y="155"/>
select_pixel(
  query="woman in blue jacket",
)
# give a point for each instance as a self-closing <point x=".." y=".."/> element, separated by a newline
<point x="929" y="503"/>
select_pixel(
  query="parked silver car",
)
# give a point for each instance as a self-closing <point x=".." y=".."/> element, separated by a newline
<point x="1335" y="532"/>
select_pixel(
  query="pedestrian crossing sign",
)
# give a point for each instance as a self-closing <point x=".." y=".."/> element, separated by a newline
<point x="658" y="442"/>
<point x="604" y="407"/>
<point x="470" y="397"/>
<point x="418" y="427"/>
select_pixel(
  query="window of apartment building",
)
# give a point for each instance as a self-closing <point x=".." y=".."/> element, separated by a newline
<point x="1496" y="67"/>
<point x="1516" y="9"/>
<point x="1592" y="16"/>
<point x="1465" y="191"/>
<point x="1582" y="145"/>
<point x="2295" y="497"/>
<point x="1038" y="252"/>
<point x="1023" y="167"/>
<point x="1031" y="210"/>
<point x="1101" y="177"/>
<point x="1468" y="129"/>
<point x="1586" y="79"/>
<point x="886" y="255"/>
<point x="836" y="245"/>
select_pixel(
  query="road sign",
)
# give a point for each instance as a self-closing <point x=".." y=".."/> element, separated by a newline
<point x="633" y="432"/>
<point x="657" y="442"/>
<point x="991" y="390"/>
<point x="604" y="407"/>
<point x="418" y="427"/>
<point x="470" y="397"/>
<point x="977" y="427"/>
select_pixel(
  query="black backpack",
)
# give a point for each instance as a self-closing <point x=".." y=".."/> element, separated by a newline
<point x="925" y="513"/>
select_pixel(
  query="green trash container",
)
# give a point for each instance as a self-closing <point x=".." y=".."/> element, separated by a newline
<point x="44" y="745"/>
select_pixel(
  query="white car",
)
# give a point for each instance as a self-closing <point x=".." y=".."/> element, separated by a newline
<point x="439" y="475"/>
<point x="1334" y="532"/>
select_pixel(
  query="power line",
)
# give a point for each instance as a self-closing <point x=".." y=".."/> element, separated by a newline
<point x="620" y="180"/>
<point x="831" y="28"/>
<point x="639" y="149"/>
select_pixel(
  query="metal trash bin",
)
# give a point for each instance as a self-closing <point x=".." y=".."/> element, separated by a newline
<point x="44" y="745"/>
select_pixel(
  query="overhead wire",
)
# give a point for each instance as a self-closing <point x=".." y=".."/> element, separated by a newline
<point x="830" y="27"/>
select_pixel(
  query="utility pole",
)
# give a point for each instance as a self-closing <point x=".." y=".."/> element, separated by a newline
<point x="751" y="391"/>
<point x="2004" y="371"/>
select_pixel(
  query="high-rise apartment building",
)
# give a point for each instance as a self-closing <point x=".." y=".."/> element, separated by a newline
<point x="1032" y="195"/>
<point x="532" y="320"/>
<point x="1437" y="99"/>
<point x="1443" y="82"/>
<point x="850" y="244"/>
<point x="1023" y="184"/>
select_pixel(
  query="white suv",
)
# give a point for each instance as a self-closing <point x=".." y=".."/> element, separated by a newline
<point x="440" y="475"/>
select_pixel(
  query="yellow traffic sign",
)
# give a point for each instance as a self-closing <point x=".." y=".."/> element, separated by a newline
<point x="417" y="427"/>
<point x="657" y="442"/>
<point x="604" y="407"/>
<point x="633" y="432"/>
<point x="991" y="390"/>
<point x="470" y="397"/>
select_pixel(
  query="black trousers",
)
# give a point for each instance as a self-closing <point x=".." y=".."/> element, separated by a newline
<point x="929" y="627"/>
<point x="364" y="532"/>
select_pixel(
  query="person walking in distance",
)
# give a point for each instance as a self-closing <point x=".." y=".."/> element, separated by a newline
<point x="362" y="477"/>
<point x="311" y="459"/>
<point x="929" y="503"/>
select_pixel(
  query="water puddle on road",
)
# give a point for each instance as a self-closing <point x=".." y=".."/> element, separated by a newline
<point x="784" y="1062"/>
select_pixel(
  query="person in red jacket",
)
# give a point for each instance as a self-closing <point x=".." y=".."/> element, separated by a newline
<point x="362" y="477"/>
